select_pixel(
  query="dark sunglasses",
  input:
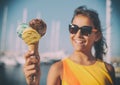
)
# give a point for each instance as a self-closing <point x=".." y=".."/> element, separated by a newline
<point x="85" y="30"/>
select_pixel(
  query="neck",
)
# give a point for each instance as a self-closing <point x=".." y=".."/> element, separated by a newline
<point x="82" y="57"/>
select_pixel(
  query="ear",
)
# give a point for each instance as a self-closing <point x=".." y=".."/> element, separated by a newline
<point x="98" y="36"/>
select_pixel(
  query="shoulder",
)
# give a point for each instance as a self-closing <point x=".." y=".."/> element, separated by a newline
<point x="109" y="67"/>
<point x="55" y="73"/>
<point x="111" y="70"/>
<point x="57" y="66"/>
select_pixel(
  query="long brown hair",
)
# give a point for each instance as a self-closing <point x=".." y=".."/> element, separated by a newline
<point x="99" y="45"/>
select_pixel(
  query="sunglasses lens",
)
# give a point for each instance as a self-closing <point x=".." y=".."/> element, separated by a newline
<point x="86" y="30"/>
<point x="73" y="29"/>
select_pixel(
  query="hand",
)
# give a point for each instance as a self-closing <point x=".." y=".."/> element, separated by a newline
<point x="32" y="68"/>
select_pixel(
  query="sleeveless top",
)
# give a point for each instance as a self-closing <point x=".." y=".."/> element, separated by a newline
<point x="75" y="74"/>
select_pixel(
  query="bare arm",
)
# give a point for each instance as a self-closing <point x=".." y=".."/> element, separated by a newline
<point x="54" y="74"/>
<point x="111" y="71"/>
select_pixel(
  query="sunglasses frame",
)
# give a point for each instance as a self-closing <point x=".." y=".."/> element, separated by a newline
<point x="85" y="30"/>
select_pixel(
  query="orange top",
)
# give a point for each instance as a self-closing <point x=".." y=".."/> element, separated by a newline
<point x="75" y="74"/>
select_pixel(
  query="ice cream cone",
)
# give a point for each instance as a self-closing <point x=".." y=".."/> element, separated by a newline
<point x="31" y="35"/>
<point x="34" y="48"/>
<point x="40" y="27"/>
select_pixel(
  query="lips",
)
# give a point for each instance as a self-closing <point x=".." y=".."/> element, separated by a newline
<point x="79" y="42"/>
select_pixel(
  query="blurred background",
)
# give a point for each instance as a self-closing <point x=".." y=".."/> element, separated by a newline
<point x="55" y="44"/>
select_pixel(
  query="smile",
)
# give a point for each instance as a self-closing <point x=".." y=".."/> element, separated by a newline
<point x="78" y="41"/>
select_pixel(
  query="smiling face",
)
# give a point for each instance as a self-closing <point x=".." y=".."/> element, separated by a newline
<point x="82" y="42"/>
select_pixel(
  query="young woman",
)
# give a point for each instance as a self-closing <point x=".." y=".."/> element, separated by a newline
<point x="84" y="66"/>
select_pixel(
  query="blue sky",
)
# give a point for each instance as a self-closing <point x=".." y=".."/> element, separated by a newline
<point x="57" y="11"/>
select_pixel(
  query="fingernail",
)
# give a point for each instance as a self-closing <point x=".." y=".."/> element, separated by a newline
<point x="32" y="56"/>
<point x="32" y="52"/>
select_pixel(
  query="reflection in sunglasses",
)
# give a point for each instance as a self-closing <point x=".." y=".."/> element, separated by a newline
<point x="85" y="30"/>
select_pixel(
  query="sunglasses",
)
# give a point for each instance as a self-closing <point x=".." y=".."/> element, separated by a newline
<point x="85" y="30"/>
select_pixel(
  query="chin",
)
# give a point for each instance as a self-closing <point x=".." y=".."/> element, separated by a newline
<point x="79" y="49"/>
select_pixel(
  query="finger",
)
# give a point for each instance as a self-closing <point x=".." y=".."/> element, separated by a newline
<point x="28" y="54"/>
<point x="38" y="57"/>
<point x="28" y="62"/>
<point x="30" y="67"/>
<point x="32" y="60"/>
<point x="30" y="73"/>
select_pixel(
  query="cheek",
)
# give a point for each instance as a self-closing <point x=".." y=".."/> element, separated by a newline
<point x="71" y="38"/>
<point x="91" y="39"/>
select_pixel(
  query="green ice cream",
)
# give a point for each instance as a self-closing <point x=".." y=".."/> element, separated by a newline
<point x="21" y="28"/>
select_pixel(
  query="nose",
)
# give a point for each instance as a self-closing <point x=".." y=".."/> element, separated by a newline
<point x="78" y="34"/>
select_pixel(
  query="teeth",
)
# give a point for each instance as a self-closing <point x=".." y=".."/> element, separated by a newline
<point x="78" y="41"/>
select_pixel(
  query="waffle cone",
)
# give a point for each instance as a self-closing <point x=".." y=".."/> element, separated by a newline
<point x="34" y="48"/>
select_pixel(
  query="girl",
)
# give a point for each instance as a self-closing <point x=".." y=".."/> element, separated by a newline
<point x="82" y="67"/>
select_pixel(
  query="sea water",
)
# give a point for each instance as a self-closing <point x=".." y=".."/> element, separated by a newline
<point x="13" y="75"/>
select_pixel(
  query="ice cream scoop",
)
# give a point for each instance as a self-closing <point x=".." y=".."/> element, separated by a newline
<point x="39" y="25"/>
<point x="30" y="36"/>
<point x="21" y="28"/>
